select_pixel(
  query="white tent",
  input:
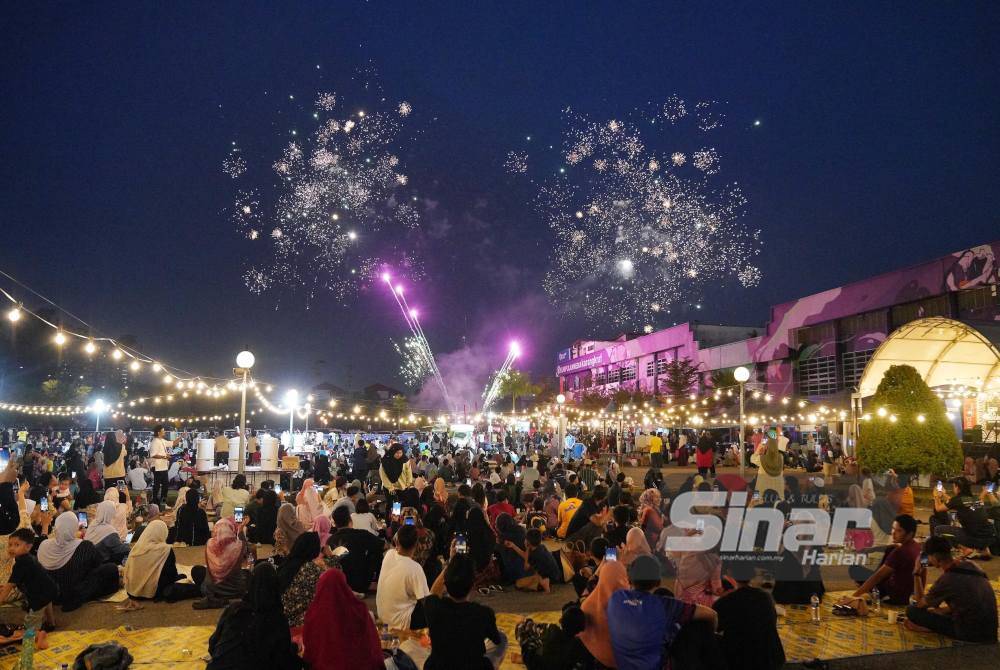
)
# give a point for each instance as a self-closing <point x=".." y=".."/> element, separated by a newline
<point x="944" y="351"/>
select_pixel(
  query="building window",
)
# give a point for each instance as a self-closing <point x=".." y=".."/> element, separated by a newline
<point x="977" y="299"/>
<point x="818" y="376"/>
<point x="661" y="367"/>
<point x="600" y="378"/>
<point x="614" y="376"/>
<point x="853" y="365"/>
<point x="650" y="368"/>
<point x="911" y="311"/>
<point x="628" y="374"/>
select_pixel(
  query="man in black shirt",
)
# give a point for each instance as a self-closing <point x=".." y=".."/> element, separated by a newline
<point x="588" y="509"/>
<point x="364" y="550"/>
<point x="458" y="628"/>
<point x="748" y="623"/>
<point x="33" y="582"/>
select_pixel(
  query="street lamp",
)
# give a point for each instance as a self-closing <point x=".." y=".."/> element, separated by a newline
<point x="291" y="396"/>
<point x="98" y="407"/>
<point x="561" y="428"/>
<point x="244" y="361"/>
<point x="741" y="374"/>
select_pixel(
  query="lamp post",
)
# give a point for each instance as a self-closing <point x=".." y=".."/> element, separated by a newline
<point x="244" y="361"/>
<point x="741" y="374"/>
<point x="290" y="397"/>
<point x="561" y="429"/>
<point x="98" y="407"/>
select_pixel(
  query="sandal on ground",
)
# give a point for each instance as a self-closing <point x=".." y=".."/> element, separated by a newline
<point x="485" y="591"/>
<point x="129" y="607"/>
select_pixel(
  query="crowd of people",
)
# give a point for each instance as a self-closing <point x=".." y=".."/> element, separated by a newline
<point x="414" y="538"/>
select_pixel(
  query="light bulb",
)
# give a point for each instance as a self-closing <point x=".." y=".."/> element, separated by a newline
<point x="60" y="338"/>
<point x="14" y="315"/>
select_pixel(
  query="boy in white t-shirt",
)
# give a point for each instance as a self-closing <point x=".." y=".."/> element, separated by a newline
<point x="402" y="584"/>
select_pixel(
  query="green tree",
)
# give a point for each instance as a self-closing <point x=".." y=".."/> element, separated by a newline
<point x="680" y="378"/>
<point x="515" y="384"/>
<point x="908" y="444"/>
<point x="61" y="392"/>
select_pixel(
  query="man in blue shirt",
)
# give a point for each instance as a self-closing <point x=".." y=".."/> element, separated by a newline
<point x="642" y="624"/>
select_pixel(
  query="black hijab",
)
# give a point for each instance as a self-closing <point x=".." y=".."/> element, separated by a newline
<point x="86" y="495"/>
<point x="393" y="466"/>
<point x="112" y="450"/>
<point x="480" y="538"/>
<point x="305" y="549"/>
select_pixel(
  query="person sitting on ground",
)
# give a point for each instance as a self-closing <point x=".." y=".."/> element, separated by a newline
<point x="539" y="563"/>
<point x="137" y="476"/>
<point x="363" y="519"/>
<point x="298" y="575"/>
<point x="233" y="496"/>
<point x="151" y="570"/>
<point x="75" y="565"/>
<point x="191" y="526"/>
<point x="349" y="500"/>
<point x="339" y="633"/>
<point x="567" y="509"/>
<point x="104" y="537"/>
<point x="458" y="628"/>
<point x="364" y="551"/>
<point x="748" y="623"/>
<point x="86" y="495"/>
<point x="590" y="518"/>
<point x="960" y="604"/>
<point x="123" y="510"/>
<point x="288" y="529"/>
<point x="402" y="584"/>
<point x="974" y="533"/>
<point x="308" y="504"/>
<point x="501" y="506"/>
<point x="894" y="576"/>
<point x="596" y="636"/>
<point x="555" y="646"/>
<point x="264" y="519"/>
<point x="34" y="584"/>
<point x="253" y="632"/>
<point x="223" y="578"/>
<point x="643" y="626"/>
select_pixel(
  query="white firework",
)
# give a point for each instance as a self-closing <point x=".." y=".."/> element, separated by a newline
<point x="637" y="231"/>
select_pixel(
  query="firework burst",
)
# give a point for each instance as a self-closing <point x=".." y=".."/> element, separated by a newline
<point x="413" y="368"/>
<point x="640" y="227"/>
<point x="334" y="208"/>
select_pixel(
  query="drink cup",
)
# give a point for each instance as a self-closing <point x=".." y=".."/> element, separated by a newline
<point x="893" y="616"/>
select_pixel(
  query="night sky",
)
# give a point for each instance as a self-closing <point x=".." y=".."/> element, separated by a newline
<point x="877" y="148"/>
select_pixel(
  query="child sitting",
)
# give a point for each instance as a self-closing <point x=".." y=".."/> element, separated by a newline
<point x="539" y="560"/>
<point x="33" y="582"/>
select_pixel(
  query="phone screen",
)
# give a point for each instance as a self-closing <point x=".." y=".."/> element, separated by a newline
<point x="397" y="508"/>
<point x="940" y="486"/>
<point x="409" y="521"/>
<point x="44" y="504"/>
<point x="128" y="538"/>
<point x="756" y="496"/>
<point x="277" y="488"/>
<point x="700" y="526"/>
<point x="468" y="482"/>
<point x="82" y="516"/>
<point x="461" y="545"/>
<point x="923" y="560"/>
<point x="238" y="514"/>
<point x="991" y="487"/>
<point x="611" y="554"/>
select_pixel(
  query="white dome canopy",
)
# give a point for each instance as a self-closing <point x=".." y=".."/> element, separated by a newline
<point x="943" y="351"/>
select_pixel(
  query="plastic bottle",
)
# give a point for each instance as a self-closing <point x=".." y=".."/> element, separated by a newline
<point x="876" y="600"/>
<point x="814" y="608"/>
<point x="28" y="650"/>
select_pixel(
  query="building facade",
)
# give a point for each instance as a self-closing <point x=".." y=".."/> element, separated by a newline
<point x="816" y="347"/>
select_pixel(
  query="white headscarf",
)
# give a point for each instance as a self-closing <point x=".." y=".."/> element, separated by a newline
<point x="56" y="551"/>
<point x="121" y="513"/>
<point x="104" y="522"/>
<point x="146" y="560"/>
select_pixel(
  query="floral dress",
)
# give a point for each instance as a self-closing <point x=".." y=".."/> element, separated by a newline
<point x="299" y="595"/>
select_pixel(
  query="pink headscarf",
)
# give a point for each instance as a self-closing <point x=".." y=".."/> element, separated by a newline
<point x="635" y="545"/>
<point x="322" y="527"/>
<point x="309" y="506"/>
<point x="224" y="550"/>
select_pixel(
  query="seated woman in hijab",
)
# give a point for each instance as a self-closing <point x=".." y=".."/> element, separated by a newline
<point x="482" y="541"/>
<point x="75" y="565"/>
<point x="86" y="495"/>
<point x="699" y="577"/>
<point x="123" y="510"/>
<point x="512" y="565"/>
<point x="297" y="578"/>
<point x="103" y="535"/>
<point x="596" y="637"/>
<point x="264" y="519"/>
<point x="151" y="571"/>
<point x="222" y="579"/>
<point x="253" y="632"/>
<point x="288" y="530"/>
<point x="635" y="545"/>
<point x="339" y="632"/>
<point x="308" y="504"/>
<point x="191" y="526"/>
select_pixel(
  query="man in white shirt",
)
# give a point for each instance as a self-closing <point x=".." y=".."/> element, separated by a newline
<point x="137" y="477"/>
<point x="158" y="456"/>
<point x="402" y="584"/>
